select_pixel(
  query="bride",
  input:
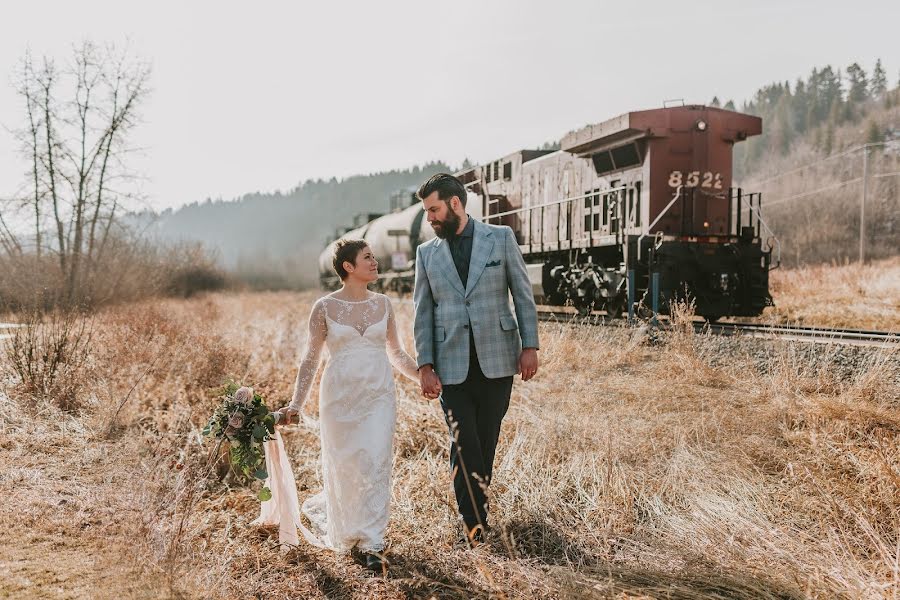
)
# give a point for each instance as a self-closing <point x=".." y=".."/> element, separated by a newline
<point x="356" y="411"/>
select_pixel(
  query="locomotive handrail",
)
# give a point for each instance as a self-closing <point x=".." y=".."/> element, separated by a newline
<point x="656" y="220"/>
<point x="771" y="233"/>
<point x="555" y="202"/>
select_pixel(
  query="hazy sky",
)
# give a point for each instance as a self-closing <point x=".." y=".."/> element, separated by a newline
<point x="259" y="96"/>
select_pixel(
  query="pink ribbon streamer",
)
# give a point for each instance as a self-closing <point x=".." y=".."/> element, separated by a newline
<point x="283" y="509"/>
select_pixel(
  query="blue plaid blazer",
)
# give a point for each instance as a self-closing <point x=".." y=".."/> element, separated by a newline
<point x="444" y="309"/>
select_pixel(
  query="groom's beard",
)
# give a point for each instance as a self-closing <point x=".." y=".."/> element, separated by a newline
<point x="446" y="229"/>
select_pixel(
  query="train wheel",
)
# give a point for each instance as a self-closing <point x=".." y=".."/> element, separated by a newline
<point x="615" y="307"/>
<point x="643" y="311"/>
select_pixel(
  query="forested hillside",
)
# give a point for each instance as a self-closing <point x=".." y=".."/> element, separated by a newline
<point x="273" y="240"/>
<point x="811" y="111"/>
<point x="824" y="138"/>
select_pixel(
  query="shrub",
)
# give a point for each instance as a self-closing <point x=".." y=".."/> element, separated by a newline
<point x="191" y="280"/>
<point x="131" y="270"/>
<point x="48" y="352"/>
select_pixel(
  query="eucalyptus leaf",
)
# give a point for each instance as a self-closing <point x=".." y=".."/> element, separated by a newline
<point x="265" y="494"/>
<point x="261" y="474"/>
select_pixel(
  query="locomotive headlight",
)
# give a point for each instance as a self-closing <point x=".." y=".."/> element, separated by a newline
<point x="700" y="125"/>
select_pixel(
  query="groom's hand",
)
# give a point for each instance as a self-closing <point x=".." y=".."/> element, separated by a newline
<point x="430" y="382"/>
<point x="528" y="363"/>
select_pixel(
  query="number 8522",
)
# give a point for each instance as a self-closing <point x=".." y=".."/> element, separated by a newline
<point x="695" y="179"/>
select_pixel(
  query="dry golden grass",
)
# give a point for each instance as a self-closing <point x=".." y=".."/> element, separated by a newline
<point x="624" y="471"/>
<point x="866" y="297"/>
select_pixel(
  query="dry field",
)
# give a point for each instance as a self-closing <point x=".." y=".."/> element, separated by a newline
<point x="866" y="297"/>
<point x="625" y="470"/>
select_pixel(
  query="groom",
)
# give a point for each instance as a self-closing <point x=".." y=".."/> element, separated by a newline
<point x="469" y="345"/>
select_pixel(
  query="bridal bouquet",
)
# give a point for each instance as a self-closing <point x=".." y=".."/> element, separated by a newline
<point x="244" y="422"/>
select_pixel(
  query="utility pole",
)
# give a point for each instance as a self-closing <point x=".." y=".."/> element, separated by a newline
<point x="862" y="206"/>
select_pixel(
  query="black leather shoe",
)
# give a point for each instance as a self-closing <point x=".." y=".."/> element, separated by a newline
<point x="375" y="561"/>
<point x="475" y="536"/>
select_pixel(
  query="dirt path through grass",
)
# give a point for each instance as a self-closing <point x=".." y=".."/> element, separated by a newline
<point x="64" y="529"/>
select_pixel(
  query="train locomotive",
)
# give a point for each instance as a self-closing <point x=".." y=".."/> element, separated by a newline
<point x="629" y="215"/>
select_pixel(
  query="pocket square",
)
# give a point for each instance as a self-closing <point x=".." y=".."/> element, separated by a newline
<point x="493" y="263"/>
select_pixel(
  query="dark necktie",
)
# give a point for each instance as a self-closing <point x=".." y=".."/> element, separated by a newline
<point x="459" y="259"/>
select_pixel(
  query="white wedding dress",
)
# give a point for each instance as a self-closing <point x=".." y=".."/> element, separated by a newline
<point x="356" y="423"/>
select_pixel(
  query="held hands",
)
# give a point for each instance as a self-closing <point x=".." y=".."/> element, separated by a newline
<point x="430" y="382"/>
<point x="289" y="416"/>
<point x="528" y="363"/>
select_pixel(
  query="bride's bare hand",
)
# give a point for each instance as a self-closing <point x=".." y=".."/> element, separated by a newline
<point x="289" y="416"/>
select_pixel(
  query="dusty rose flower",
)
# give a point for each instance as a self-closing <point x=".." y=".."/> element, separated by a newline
<point x="244" y="395"/>
<point x="236" y="421"/>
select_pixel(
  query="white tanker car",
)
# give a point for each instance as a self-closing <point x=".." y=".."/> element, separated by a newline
<point x="393" y="238"/>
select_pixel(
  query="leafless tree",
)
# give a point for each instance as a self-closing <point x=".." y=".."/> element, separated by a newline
<point x="75" y="138"/>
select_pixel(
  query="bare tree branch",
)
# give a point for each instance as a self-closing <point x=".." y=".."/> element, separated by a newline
<point x="77" y="152"/>
<point x="33" y="132"/>
<point x="45" y="81"/>
<point x="10" y="244"/>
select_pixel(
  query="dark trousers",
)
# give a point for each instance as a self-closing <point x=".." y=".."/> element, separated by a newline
<point x="474" y="410"/>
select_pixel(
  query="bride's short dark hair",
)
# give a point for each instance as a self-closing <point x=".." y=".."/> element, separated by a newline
<point x="346" y="250"/>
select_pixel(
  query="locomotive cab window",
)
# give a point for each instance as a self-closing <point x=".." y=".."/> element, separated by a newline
<point x="626" y="156"/>
<point x="507" y="171"/>
<point x="621" y="157"/>
<point x="602" y="162"/>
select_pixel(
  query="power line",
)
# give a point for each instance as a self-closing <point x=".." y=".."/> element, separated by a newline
<point x="820" y="161"/>
<point x="805" y="194"/>
<point x="826" y="188"/>
<point x="780" y="175"/>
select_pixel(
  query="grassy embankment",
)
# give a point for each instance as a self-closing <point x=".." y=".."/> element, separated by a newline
<point x="866" y="297"/>
<point x="624" y="471"/>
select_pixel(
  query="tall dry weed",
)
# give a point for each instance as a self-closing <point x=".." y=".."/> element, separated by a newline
<point x="684" y="352"/>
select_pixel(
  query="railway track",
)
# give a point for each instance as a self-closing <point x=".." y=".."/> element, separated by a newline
<point x="6" y="330"/>
<point x="819" y="335"/>
<point x="822" y="335"/>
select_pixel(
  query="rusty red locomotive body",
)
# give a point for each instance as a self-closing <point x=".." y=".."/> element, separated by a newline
<point x="646" y="192"/>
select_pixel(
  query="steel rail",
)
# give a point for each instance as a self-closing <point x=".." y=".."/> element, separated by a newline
<point x="822" y="335"/>
<point x="805" y="333"/>
<point x="4" y="326"/>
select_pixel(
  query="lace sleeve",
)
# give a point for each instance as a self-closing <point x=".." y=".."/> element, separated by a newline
<point x="309" y="365"/>
<point x="402" y="361"/>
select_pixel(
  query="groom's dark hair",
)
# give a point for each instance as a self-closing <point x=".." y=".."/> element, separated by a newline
<point x="346" y="250"/>
<point x="446" y="186"/>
